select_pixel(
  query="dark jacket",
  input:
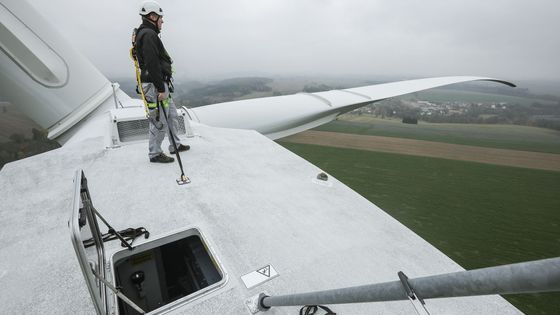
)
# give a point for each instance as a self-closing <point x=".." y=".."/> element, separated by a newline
<point x="153" y="59"/>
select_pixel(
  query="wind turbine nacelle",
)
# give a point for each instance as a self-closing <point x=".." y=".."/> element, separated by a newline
<point x="42" y="74"/>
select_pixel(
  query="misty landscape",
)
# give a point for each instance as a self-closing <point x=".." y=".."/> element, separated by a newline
<point x="477" y="103"/>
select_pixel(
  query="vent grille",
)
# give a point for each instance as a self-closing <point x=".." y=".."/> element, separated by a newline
<point x="133" y="130"/>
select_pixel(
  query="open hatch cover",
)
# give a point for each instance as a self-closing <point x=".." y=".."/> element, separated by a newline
<point x="88" y="244"/>
<point x="154" y="276"/>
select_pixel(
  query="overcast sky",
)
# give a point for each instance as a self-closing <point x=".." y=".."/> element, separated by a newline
<point x="509" y="39"/>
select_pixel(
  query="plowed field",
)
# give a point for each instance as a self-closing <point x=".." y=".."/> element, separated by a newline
<point x="526" y="159"/>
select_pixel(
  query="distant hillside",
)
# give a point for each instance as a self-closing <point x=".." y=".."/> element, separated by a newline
<point x="225" y="91"/>
<point x="472" y="102"/>
<point x="466" y="103"/>
<point x="492" y="88"/>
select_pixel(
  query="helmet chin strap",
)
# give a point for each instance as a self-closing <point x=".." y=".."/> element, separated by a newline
<point x="152" y="21"/>
<point x="157" y="22"/>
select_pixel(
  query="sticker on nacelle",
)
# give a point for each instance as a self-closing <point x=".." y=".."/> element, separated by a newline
<point x="261" y="275"/>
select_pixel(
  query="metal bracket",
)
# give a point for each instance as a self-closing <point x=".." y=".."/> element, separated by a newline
<point x="416" y="301"/>
<point x="254" y="303"/>
<point x="115" y="86"/>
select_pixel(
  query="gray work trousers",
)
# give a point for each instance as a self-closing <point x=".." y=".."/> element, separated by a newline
<point x="158" y="130"/>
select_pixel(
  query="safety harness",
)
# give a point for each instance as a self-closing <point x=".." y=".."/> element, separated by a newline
<point x="147" y="105"/>
<point x="183" y="179"/>
<point x="134" y="57"/>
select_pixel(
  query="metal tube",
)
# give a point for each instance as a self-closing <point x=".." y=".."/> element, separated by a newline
<point x="118" y="293"/>
<point x="115" y="95"/>
<point x="528" y="277"/>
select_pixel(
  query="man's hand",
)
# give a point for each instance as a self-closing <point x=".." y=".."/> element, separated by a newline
<point x="160" y="96"/>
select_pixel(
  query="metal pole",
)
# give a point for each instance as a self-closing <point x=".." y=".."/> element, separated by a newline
<point x="114" y="85"/>
<point x="188" y="128"/>
<point x="528" y="277"/>
<point x="183" y="179"/>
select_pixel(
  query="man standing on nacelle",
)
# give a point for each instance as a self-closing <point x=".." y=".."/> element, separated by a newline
<point x="156" y="84"/>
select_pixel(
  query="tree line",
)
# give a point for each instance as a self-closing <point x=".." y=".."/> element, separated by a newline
<point x="19" y="147"/>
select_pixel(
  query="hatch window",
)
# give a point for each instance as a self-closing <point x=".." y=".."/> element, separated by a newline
<point x="166" y="272"/>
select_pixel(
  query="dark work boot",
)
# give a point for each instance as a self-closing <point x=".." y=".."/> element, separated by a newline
<point x="181" y="148"/>
<point x="162" y="158"/>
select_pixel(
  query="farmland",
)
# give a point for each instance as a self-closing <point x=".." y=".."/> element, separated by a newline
<point x="478" y="214"/>
<point x="446" y="94"/>
<point x="513" y="137"/>
<point x="525" y="159"/>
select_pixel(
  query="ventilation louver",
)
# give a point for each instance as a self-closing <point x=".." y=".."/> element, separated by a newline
<point x="133" y="130"/>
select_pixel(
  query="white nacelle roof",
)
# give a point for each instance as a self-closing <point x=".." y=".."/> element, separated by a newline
<point x="255" y="202"/>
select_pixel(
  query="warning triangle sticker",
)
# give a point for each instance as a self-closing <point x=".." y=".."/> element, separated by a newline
<point x="265" y="271"/>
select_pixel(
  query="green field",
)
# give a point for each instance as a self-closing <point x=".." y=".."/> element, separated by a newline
<point x="495" y="136"/>
<point x="479" y="215"/>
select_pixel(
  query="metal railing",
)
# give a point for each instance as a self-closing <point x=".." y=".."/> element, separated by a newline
<point x="527" y="277"/>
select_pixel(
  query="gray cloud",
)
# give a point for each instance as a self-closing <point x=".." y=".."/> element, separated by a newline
<point x="512" y="39"/>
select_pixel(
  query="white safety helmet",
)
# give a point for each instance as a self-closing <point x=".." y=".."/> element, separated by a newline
<point x="150" y="6"/>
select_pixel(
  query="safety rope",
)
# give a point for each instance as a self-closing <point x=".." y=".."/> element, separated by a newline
<point x="134" y="58"/>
